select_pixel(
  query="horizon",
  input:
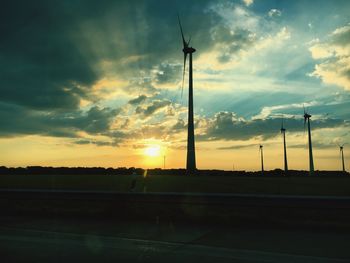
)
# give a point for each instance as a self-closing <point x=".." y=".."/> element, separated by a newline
<point x="274" y="171"/>
<point x="99" y="84"/>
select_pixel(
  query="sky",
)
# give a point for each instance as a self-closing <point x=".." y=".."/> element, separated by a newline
<point x="98" y="83"/>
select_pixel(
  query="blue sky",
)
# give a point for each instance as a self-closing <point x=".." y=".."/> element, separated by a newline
<point x="97" y="82"/>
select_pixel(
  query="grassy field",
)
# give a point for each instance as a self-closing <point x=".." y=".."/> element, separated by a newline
<point x="335" y="186"/>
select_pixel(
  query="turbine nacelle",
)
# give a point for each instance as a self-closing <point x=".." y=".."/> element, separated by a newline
<point x="283" y="130"/>
<point x="188" y="50"/>
<point x="307" y="116"/>
<point x="341" y="147"/>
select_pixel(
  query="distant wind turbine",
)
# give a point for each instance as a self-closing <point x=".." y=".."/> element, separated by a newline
<point x="283" y="131"/>
<point x="341" y="149"/>
<point x="262" y="157"/>
<point x="191" y="154"/>
<point x="307" y="117"/>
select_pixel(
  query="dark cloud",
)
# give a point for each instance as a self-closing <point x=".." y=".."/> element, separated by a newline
<point x="16" y="120"/>
<point x="168" y="73"/>
<point x="153" y="107"/>
<point x="51" y="52"/>
<point x="233" y="41"/>
<point x="138" y="100"/>
<point x="82" y="141"/>
<point x="41" y="66"/>
<point x="96" y="120"/>
<point x="315" y="144"/>
<point x="226" y="126"/>
<point x="237" y="147"/>
<point x="180" y="125"/>
<point x="97" y="142"/>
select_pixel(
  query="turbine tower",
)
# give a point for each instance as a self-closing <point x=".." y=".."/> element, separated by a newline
<point x="283" y="131"/>
<point x="307" y="117"/>
<point x="191" y="154"/>
<point x="341" y="149"/>
<point x="262" y="158"/>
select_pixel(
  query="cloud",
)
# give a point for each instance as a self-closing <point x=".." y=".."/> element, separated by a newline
<point x="138" y="100"/>
<point x="96" y="120"/>
<point x="248" y="2"/>
<point x="237" y="147"/>
<point x="141" y="85"/>
<point x="52" y="55"/>
<point x="334" y="58"/>
<point x="153" y="107"/>
<point x="232" y="42"/>
<point x="128" y="54"/>
<point x="17" y="120"/>
<point x="180" y="125"/>
<point x="315" y="144"/>
<point x="168" y="73"/>
<point x="227" y="126"/>
<point x="274" y="13"/>
<point x="41" y="65"/>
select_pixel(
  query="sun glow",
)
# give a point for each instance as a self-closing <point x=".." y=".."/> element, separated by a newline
<point x="152" y="151"/>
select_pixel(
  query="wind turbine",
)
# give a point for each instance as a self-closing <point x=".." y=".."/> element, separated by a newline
<point x="191" y="154"/>
<point x="283" y="131"/>
<point x="262" y="158"/>
<point x="307" y="117"/>
<point x="341" y="149"/>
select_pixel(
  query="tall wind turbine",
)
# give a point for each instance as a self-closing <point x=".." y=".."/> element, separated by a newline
<point x="307" y="117"/>
<point x="191" y="154"/>
<point x="283" y="131"/>
<point x="262" y="158"/>
<point x="341" y="149"/>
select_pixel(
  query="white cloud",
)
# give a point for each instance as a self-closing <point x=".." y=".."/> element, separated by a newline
<point x="274" y="13"/>
<point x="334" y="56"/>
<point x="248" y="2"/>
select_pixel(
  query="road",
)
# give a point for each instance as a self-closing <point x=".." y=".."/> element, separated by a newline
<point x="63" y="240"/>
<point x="80" y="226"/>
<point x="211" y="208"/>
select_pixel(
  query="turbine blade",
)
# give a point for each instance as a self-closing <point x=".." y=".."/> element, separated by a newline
<point x="182" y="34"/>
<point x="183" y="74"/>
<point x="282" y="124"/>
<point x="189" y="41"/>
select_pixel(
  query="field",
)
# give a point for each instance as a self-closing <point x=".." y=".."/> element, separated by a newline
<point x="327" y="186"/>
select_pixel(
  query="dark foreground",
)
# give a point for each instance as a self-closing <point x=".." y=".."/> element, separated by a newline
<point x="85" y="226"/>
<point x="68" y="240"/>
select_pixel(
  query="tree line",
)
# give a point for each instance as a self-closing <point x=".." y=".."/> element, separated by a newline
<point x="43" y="170"/>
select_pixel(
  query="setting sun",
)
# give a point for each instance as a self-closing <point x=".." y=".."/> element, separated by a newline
<point x="152" y="150"/>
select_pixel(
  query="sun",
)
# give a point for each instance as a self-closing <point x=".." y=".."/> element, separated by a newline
<point x="152" y="151"/>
